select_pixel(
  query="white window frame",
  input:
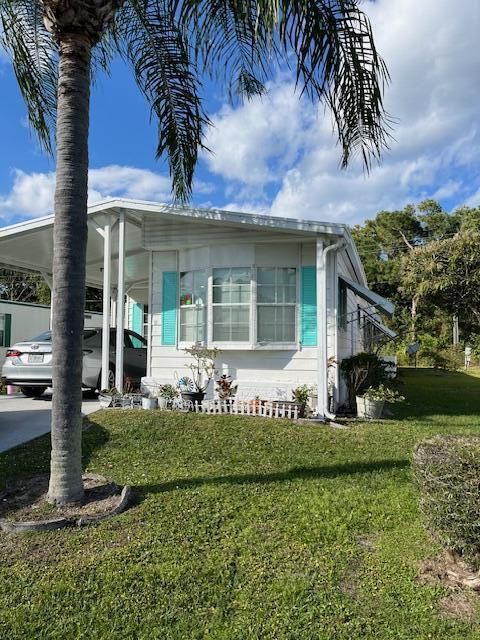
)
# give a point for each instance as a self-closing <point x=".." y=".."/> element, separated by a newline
<point x="182" y="344"/>
<point x="252" y="344"/>
<point x="278" y="345"/>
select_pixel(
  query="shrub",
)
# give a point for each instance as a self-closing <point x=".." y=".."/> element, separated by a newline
<point x="362" y="371"/>
<point x="383" y="394"/>
<point x="448" y="359"/>
<point x="447" y="469"/>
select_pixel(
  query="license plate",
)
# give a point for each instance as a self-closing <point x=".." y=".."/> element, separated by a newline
<point x="35" y="357"/>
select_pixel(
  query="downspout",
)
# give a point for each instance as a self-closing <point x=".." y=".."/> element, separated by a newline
<point x="323" y="332"/>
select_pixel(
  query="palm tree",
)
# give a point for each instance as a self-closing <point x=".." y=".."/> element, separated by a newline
<point x="57" y="46"/>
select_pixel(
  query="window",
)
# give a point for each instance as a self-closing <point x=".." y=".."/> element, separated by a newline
<point x="231" y="304"/>
<point x="276" y="304"/>
<point x="145" y="321"/>
<point x="342" y="305"/>
<point x="134" y="341"/>
<point x="2" y="329"/>
<point x="193" y="301"/>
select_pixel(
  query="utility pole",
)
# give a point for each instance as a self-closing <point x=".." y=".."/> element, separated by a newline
<point x="455" y="331"/>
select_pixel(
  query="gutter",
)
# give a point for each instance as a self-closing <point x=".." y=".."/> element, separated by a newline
<point x="322" y="349"/>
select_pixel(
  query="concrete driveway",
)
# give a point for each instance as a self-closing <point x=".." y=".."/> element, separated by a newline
<point x="22" y="419"/>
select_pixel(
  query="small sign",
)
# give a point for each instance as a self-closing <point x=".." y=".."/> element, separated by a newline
<point x="413" y="348"/>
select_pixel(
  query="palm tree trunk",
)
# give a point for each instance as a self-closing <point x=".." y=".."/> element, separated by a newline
<point x="70" y="241"/>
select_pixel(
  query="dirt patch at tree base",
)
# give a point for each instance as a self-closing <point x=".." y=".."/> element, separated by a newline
<point x="24" y="506"/>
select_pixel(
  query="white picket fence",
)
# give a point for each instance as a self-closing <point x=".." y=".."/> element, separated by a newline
<point x="275" y="409"/>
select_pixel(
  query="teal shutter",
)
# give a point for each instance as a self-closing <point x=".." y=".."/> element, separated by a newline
<point x="169" y="308"/>
<point x="137" y="318"/>
<point x="7" y="329"/>
<point x="308" y="307"/>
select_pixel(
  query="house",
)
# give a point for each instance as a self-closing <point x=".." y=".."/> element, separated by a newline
<point x="24" y="320"/>
<point x="284" y="299"/>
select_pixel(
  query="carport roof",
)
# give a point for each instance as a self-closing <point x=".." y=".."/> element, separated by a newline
<point x="29" y="245"/>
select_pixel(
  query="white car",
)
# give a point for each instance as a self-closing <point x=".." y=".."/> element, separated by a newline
<point x="28" y="364"/>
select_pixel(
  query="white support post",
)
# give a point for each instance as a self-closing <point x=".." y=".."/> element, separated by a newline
<point x="321" y="333"/>
<point x="48" y="279"/>
<point x="120" y="303"/>
<point x="107" y="285"/>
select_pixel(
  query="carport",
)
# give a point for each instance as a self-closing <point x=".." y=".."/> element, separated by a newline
<point x="116" y="262"/>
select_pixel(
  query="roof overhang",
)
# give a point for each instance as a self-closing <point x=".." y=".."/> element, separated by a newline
<point x="28" y="245"/>
<point x="378" y="301"/>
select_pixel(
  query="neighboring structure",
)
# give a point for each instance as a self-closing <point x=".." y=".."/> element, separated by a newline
<point x="24" y="320"/>
<point x="283" y="299"/>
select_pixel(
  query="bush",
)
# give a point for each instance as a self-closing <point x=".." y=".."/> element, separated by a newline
<point x="447" y="469"/>
<point x="362" y="371"/>
<point x="448" y="359"/>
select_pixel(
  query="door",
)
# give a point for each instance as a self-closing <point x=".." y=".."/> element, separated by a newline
<point x="135" y="356"/>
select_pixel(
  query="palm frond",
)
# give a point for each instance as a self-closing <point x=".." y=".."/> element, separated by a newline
<point x="34" y="57"/>
<point x="230" y="42"/>
<point x="149" y="36"/>
<point x="337" y="61"/>
<point x="331" y="44"/>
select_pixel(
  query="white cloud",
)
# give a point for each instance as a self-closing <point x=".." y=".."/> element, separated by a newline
<point x="256" y="142"/>
<point x="32" y="193"/>
<point x="431" y="50"/>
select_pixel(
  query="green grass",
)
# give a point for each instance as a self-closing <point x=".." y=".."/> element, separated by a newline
<point x="243" y="529"/>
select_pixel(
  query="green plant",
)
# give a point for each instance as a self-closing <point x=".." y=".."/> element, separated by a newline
<point x="226" y="388"/>
<point x="302" y="393"/>
<point x="109" y="392"/>
<point x="447" y="470"/>
<point x="362" y="371"/>
<point x="203" y="365"/>
<point x="383" y="394"/>
<point x="167" y="391"/>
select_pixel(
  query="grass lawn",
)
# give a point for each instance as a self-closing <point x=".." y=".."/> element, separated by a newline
<point x="243" y="529"/>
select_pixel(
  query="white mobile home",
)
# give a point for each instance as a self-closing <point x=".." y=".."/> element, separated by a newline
<point x="283" y="299"/>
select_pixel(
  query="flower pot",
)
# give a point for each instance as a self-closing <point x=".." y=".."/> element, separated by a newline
<point x="372" y="409"/>
<point x="105" y="400"/>
<point x="162" y="403"/>
<point x="149" y="403"/>
<point x="193" y="396"/>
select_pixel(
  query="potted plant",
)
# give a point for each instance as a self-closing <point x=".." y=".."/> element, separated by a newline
<point x="105" y="397"/>
<point x="362" y="371"/>
<point x="226" y="390"/>
<point x="149" y="402"/>
<point x="202" y="369"/>
<point x="371" y="403"/>
<point x="166" y="395"/>
<point x="301" y="396"/>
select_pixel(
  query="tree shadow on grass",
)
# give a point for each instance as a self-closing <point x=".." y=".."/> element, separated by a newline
<point x="295" y="473"/>
<point x="33" y="458"/>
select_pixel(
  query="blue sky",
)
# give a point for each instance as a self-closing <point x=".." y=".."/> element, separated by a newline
<point x="277" y="155"/>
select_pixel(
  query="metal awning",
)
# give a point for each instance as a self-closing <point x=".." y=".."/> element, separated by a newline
<point x="378" y="301"/>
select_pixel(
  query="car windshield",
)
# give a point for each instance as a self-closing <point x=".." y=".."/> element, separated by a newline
<point x="46" y="336"/>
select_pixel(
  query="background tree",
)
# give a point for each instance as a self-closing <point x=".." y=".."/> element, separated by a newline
<point x="446" y="273"/>
<point x="399" y="251"/>
<point x="56" y="44"/>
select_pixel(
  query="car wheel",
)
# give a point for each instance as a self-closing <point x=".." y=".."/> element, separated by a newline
<point x="32" y="392"/>
<point x="111" y="380"/>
